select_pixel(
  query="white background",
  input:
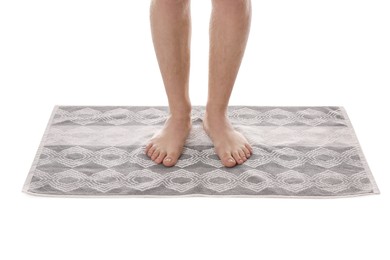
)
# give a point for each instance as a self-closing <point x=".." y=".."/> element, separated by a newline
<point x="80" y="52"/>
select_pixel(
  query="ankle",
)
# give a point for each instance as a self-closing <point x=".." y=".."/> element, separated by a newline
<point x="180" y="114"/>
<point x="216" y="111"/>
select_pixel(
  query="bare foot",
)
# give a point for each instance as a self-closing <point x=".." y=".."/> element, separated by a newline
<point x="230" y="145"/>
<point x="166" y="145"/>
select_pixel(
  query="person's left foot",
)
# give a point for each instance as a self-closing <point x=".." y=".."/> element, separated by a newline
<point x="231" y="146"/>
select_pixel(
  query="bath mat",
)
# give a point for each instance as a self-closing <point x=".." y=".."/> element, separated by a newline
<point x="298" y="152"/>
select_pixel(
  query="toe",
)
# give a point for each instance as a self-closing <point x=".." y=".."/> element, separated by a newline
<point x="151" y="150"/>
<point x="160" y="158"/>
<point x="237" y="157"/>
<point x="249" y="147"/>
<point x="247" y="152"/>
<point x="228" y="160"/>
<point x="171" y="159"/>
<point x="242" y="154"/>
<point x="155" y="154"/>
<point x="148" y="147"/>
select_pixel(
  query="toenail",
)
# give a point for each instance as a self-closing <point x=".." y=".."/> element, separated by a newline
<point x="168" y="159"/>
<point x="231" y="160"/>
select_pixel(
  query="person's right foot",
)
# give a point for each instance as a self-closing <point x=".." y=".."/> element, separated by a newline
<point x="166" y="145"/>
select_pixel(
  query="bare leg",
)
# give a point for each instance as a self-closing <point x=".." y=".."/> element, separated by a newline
<point x="229" y="31"/>
<point x="170" y="22"/>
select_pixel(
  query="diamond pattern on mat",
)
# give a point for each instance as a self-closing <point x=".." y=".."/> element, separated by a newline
<point x="286" y="157"/>
<point x="244" y="116"/>
<point x="216" y="180"/>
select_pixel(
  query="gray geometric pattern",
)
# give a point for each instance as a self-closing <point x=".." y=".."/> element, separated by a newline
<point x="308" y="152"/>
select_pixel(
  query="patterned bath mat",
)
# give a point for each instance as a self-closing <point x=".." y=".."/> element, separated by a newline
<point x="299" y="152"/>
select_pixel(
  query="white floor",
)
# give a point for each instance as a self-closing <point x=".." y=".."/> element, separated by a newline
<point x="100" y="53"/>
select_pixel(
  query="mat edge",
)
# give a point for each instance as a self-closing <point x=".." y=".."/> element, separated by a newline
<point x="30" y="174"/>
<point x="360" y="152"/>
<point x="275" y="106"/>
<point x="197" y="196"/>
